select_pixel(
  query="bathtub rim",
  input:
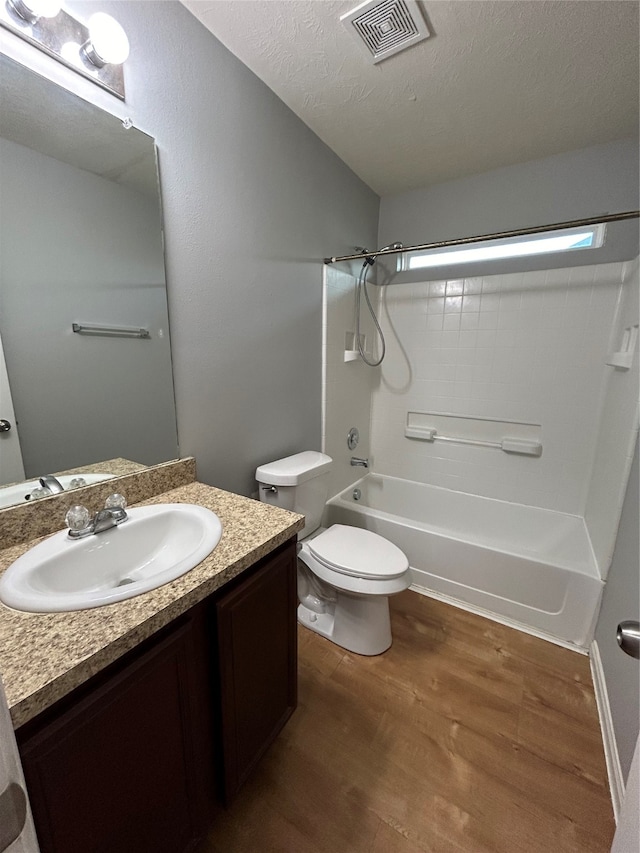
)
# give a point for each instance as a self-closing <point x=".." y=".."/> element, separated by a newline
<point x="591" y="571"/>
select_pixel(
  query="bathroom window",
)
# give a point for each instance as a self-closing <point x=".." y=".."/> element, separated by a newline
<point x="545" y="243"/>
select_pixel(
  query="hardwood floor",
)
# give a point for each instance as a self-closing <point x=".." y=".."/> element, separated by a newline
<point x="465" y="736"/>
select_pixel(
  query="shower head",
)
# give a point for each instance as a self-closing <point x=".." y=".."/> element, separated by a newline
<point x="384" y="249"/>
<point x="371" y="257"/>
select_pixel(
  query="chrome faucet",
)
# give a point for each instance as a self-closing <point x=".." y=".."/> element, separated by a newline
<point x="355" y="460"/>
<point x="81" y="524"/>
<point x="53" y="486"/>
<point x="103" y="520"/>
<point x="107" y="518"/>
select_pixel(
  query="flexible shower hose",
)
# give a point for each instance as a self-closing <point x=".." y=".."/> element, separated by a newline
<point x="360" y="286"/>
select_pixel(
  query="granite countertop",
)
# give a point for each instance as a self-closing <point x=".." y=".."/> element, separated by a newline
<point x="119" y="467"/>
<point x="43" y="656"/>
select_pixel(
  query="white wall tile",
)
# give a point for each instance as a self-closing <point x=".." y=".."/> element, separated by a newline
<point x="525" y="347"/>
<point x="529" y="348"/>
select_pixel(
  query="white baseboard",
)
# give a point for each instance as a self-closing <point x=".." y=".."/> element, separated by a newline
<point x="614" y="770"/>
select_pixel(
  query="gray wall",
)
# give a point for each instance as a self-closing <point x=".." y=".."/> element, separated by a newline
<point x="621" y="600"/>
<point x="252" y="202"/>
<point x="590" y="182"/>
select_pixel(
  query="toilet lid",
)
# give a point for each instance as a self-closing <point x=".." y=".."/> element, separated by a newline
<point x="353" y="551"/>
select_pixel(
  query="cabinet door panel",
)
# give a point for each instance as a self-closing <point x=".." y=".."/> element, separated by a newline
<point x="114" y="774"/>
<point x="257" y="646"/>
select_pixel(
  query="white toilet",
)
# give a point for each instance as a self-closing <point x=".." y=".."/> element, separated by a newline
<point x="345" y="574"/>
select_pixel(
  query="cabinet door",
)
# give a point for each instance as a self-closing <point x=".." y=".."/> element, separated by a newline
<point x="117" y="771"/>
<point x="257" y="647"/>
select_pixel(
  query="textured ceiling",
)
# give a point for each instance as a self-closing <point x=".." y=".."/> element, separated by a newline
<point x="497" y="83"/>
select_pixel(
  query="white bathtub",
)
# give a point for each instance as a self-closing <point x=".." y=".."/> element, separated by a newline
<point x="531" y="567"/>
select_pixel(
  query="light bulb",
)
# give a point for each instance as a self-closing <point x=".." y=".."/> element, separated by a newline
<point x="32" y="10"/>
<point x="108" y="42"/>
<point x="43" y="8"/>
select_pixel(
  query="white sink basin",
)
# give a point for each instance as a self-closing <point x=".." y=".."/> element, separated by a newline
<point x="155" y="545"/>
<point x="19" y="492"/>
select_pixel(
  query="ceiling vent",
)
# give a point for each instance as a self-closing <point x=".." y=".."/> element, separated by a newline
<point x="385" y="27"/>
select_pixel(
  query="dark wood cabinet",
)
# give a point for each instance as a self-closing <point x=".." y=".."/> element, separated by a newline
<point x="121" y="770"/>
<point x="131" y="761"/>
<point x="257" y="653"/>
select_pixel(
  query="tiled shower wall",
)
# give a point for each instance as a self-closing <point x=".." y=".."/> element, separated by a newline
<point x="617" y="433"/>
<point x="347" y="386"/>
<point x="529" y="347"/>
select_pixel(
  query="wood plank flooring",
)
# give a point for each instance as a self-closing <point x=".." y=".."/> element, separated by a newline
<point x="465" y="737"/>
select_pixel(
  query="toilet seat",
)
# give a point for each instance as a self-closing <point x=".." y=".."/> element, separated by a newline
<point x="358" y="553"/>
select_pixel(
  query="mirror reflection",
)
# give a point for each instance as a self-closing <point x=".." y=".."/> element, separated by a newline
<point x="81" y="243"/>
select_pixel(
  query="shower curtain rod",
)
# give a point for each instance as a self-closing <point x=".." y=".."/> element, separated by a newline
<point x="520" y="232"/>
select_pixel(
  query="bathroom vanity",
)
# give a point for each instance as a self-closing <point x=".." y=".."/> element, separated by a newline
<point x="135" y="719"/>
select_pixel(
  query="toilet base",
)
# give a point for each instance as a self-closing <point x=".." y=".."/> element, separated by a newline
<point x="360" y="624"/>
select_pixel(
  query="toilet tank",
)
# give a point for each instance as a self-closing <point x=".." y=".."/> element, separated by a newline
<point x="301" y="485"/>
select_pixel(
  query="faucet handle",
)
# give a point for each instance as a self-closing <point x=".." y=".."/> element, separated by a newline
<point x="77" y="518"/>
<point x="115" y="501"/>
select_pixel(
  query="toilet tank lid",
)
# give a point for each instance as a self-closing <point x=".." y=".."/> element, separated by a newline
<point x="293" y="470"/>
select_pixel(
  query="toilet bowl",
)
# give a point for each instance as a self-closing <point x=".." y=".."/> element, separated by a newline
<point x="345" y="574"/>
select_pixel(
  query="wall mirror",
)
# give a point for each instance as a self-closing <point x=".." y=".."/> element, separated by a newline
<point x="80" y="243"/>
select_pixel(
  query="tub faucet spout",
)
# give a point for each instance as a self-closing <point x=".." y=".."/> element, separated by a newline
<point x="355" y="460"/>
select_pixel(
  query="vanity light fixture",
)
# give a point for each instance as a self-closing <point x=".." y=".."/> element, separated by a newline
<point x="96" y="50"/>
<point x="32" y="10"/>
